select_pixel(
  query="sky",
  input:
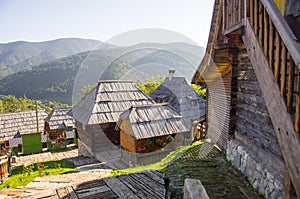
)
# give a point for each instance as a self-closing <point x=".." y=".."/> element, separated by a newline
<point x="42" y="20"/>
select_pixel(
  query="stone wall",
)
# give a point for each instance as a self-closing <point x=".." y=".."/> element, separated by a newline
<point x="83" y="150"/>
<point x="266" y="181"/>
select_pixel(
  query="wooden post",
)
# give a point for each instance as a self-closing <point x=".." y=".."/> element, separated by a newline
<point x="37" y="116"/>
<point x="251" y="13"/>
<point x="224" y="15"/>
<point x="283" y="71"/>
<point x="277" y="57"/>
<point x="256" y="16"/>
<point x="271" y="44"/>
<point x="261" y="25"/>
<point x="266" y="31"/>
<point x="297" y="115"/>
<point x="291" y="70"/>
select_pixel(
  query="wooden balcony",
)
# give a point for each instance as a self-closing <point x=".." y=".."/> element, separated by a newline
<point x="279" y="44"/>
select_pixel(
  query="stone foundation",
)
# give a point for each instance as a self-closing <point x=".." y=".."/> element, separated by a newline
<point x="83" y="150"/>
<point x="265" y="181"/>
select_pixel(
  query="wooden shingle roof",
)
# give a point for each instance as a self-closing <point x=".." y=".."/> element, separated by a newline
<point x="107" y="101"/>
<point x="146" y="121"/>
<point x="59" y="119"/>
<point x="21" y="122"/>
<point x="182" y="97"/>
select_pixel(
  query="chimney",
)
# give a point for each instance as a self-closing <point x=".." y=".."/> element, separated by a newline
<point x="171" y="73"/>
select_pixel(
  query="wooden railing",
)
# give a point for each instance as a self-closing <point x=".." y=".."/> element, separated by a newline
<point x="279" y="44"/>
<point x="234" y="11"/>
<point x="199" y="128"/>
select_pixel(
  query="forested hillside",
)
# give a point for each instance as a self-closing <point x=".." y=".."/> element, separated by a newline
<point x="20" y="55"/>
<point x="62" y="80"/>
<point x="11" y="104"/>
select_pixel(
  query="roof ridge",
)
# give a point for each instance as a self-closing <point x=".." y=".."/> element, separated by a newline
<point x="153" y="105"/>
<point x="115" y="81"/>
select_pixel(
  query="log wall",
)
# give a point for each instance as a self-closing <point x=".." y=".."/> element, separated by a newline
<point x="254" y="128"/>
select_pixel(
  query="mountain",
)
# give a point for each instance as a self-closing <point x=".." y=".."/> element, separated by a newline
<point x="20" y="55"/>
<point x="62" y="79"/>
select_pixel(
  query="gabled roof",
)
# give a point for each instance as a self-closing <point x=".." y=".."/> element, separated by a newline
<point x="152" y="120"/>
<point x="21" y="122"/>
<point x="59" y="119"/>
<point x="182" y="97"/>
<point x="107" y="101"/>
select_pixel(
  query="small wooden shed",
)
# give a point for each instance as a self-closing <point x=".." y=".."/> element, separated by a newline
<point x="180" y="95"/>
<point x="149" y="128"/>
<point x="97" y="113"/>
<point x="4" y="162"/>
<point x="59" y="127"/>
<point x="22" y="124"/>
<point x="31" y="143"/>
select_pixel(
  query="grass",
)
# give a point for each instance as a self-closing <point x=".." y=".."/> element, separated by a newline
<point x="158" y="165"/>
<point x="21" y="176"/>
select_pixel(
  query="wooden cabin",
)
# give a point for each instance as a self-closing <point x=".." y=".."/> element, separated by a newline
<point x="146" y="129"/>
<point x="180" y="95"/>
<point x="14" y="125"/>
<point x="97" y="113"/>
<point x="59" y="128"/>
<point x="4" y="162"/>
<point x="251" y="72"/>
<point x="31" y="143"/>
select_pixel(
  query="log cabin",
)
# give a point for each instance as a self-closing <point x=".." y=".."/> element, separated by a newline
<point x="251" y="72"/>
<point x="149" y="132"/>
<point x="180" y="95"/>
<point x="15" y="125"/>
<point x="59" y="128"/>
<point x="97" y="113"/>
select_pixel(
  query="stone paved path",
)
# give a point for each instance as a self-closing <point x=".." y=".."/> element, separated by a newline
<point x="219" y="177"/>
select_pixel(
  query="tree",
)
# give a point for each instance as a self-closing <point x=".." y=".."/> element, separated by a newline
<point x="151" y="84"/>
<point x="1" y="107"/>
<point x="201" y="91"/>
<point x="85" y="90"/>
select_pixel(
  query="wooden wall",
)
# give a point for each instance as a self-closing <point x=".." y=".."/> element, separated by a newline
<point x="83" y="134"/>
<point x="253" y="124"/>
<point x="127" y="142"/>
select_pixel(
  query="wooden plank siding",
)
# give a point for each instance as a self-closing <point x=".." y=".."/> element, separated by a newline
<point x="283" y="124"/>
<point x="128" y="142"/>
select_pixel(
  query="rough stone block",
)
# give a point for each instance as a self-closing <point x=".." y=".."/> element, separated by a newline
<point x="194" y="189"/>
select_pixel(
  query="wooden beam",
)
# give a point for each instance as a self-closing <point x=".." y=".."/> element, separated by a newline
<point x="287" y="137"/>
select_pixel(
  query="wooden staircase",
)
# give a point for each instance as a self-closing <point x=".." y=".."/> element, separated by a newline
<point x="274" y="52"/>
